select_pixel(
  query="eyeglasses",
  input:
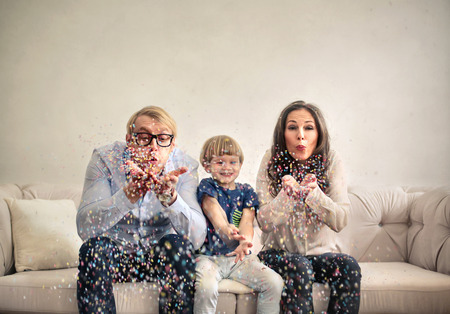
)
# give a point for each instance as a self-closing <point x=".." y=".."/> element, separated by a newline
<point x="144" y="139"/>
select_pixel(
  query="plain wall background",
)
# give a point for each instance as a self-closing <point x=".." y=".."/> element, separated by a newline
<point x="72" y="72"/>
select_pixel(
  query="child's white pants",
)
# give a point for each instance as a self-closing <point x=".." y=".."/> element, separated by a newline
<point x="210" y="270"/>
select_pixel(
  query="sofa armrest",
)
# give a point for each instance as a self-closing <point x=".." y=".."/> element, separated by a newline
<point x="428" y="239"/>
<point x="6" y="241"/>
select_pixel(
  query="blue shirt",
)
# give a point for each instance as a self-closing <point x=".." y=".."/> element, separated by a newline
<point x="233" y="203"/>
<point x="105" y="210"/>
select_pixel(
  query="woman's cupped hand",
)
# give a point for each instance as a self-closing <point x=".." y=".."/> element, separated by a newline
<point x="299" y="190"/>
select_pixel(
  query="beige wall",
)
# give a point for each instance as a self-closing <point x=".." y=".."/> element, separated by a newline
<point x="72" y="72"/>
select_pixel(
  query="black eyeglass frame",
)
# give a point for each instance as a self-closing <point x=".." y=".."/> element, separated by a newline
<point x="152" y="136"/>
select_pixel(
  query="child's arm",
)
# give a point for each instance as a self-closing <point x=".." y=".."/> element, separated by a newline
<point x="246" y="230"/>
<point x="216" y="215"/>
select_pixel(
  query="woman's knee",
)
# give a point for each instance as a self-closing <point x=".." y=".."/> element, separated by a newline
<point x="300" y="267"/>
<point x="352" y="268"/>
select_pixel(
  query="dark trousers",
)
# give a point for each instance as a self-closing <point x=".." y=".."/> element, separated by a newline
<point x="171" y="262"/>
<point x="299" y="272"/>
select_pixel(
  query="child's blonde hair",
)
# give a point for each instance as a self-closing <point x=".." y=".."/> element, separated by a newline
<point x="218" y="146"/>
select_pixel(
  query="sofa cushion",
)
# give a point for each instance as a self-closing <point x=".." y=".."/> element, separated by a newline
<point x="44" y="234"/>
<point x="403" y="288"/>
<point x="55" y="291"/>
<point x="429" y="235"/>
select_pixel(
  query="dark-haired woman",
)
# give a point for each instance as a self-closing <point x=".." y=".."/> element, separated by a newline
<point x="304" y="202"/>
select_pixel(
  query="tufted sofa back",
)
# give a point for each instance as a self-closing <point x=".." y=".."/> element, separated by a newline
<point x="429" y="234"/>
<point x="395" y="224"/>
<point x="386" y="224"/>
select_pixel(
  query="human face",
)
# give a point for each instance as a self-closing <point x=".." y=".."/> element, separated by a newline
<point x="152" y="155"/>
<point x="301" y="134"/>
<point x="225" y="169"/>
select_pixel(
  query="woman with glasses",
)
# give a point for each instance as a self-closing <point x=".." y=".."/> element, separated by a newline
<point x="139" y="217"/>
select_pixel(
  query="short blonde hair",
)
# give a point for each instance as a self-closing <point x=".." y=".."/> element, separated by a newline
<point x="156" y="113"/>
<point x="218" y="146"/>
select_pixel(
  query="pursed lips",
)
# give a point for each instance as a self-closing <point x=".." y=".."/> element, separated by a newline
<point x="153" y="157"/>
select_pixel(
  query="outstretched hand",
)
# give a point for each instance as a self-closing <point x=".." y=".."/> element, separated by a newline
<point x="231" y="232"/>
<point x="138" y="185"/>
<point x="164" y="187"/>
<point x="241" y="251"/>
<point x="143" y="180"/>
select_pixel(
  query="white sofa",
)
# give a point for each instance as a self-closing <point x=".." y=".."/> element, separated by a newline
<point x="400" y="236"/>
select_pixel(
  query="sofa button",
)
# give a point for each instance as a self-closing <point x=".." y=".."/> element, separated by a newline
<point x="380" y="224"/>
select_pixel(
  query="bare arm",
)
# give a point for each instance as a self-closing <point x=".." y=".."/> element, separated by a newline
<point x="245" y="230"/>
<point x="246" y="224"/>
<point x="216" y="215"/>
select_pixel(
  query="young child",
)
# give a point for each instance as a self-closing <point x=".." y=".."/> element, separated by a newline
<point x="230" y="209"/>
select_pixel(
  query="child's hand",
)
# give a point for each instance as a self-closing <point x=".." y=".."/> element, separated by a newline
<point x="232" y="233"/>
<point x="242" y="250"/>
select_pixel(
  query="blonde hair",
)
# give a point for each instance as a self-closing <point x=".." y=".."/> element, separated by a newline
<point x="156" y="113"/>
<point x="218" y="146"/>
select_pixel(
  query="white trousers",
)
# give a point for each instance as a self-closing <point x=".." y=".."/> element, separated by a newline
<point x="210" y="270"/>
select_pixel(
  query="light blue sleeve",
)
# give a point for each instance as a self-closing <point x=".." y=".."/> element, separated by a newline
<point x="185" y="213"/>
<point x="100" y="208"/>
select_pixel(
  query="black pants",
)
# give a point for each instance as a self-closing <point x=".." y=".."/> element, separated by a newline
<point x="171" y="262"/>
<point x="340" y="271"/>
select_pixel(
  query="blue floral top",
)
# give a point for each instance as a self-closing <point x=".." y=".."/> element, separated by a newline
<point x="233" y="203"/>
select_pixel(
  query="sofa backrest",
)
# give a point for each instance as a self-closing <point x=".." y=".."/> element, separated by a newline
<point x="52" y="191"/>
<point x="378" y="224"/>
<point x="386" y="224"/>
<point x="397" y="224"/>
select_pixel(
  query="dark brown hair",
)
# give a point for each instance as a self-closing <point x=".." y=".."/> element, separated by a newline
<point x="282" y="163"/>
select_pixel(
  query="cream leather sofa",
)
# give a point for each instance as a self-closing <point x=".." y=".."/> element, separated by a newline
<point x="400" y="236"/>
